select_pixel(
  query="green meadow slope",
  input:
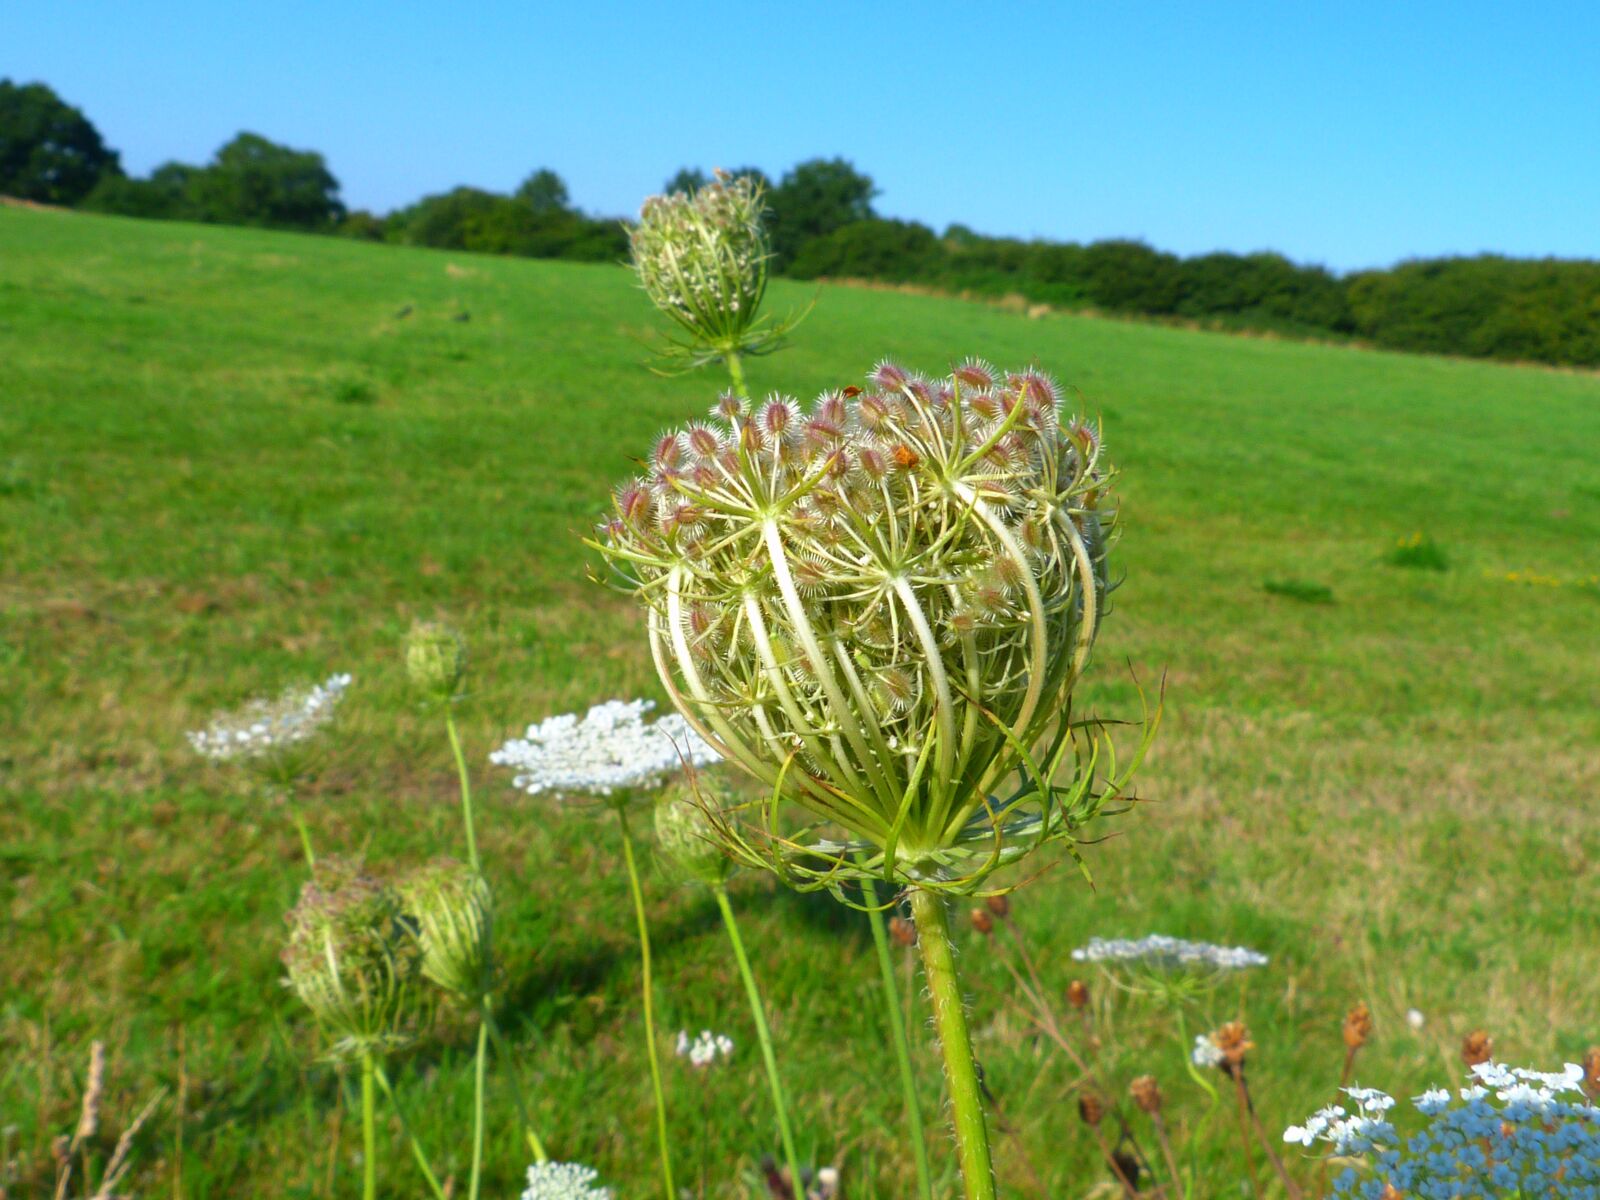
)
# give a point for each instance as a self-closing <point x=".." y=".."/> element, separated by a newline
<point x="234" y="460"/>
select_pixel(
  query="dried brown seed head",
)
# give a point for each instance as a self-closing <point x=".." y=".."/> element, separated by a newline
<point x="902" y="931"/>
<point x="1477" y="1047"/>
<point x="1357" y="1026"/>
<point x="1000" y="906"/>
<point x="1146" y="1094"/>
<point x="93" y="1093"/>
<point x="1591" y="1073"/>
<point x="1078" y="994"/>
<point x="982" y="921"/>
<point x="1233" y="1039"/>
<point x="1090" y="1110"/>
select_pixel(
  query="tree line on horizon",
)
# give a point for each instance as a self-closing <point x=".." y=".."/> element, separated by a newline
<point x="824" y="225"/>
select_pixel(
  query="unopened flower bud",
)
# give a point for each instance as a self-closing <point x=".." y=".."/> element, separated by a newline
<point x="902" y="931"/>
<point x="1477" y="1047"/>
<point x="982" y="921"/>
<point x="1090" y="1110"/>
<point x="452" y="912"/>
<point x="1078" y="994"/>
<point x="350" y="957"/>
<point x="688" y="834"/>
<point x="1357" y="1027"/>
<point x="436" y="660"/>
<point x="1146" y="1094"/>
<point x="1000" y="906"/>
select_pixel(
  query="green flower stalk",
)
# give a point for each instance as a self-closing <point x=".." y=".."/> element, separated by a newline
<point x="878" y="606"/>
<point x="702" y="259"/>
<point x="687" y="834"/>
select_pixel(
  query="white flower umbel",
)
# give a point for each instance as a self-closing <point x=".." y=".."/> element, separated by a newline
<point x="1206" y="1053"/>
<point x="1158" y="950"/>
<point x="564" y="1181"/>
<point x="1540" y="1139"/>
<point x="609" y="749"/>
<point x="264" y="727"/>
<point x="705" y="1050"/>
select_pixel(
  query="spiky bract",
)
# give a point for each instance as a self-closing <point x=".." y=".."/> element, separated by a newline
<point x="878" y="606"/>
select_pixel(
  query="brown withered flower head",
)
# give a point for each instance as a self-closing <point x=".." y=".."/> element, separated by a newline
<point x="1000" y="906"/>
<point x="1591" y="1073"/>
<point x="1090" y="1110"/>
<point x="1233" y="1041"/>
<point x="1357" y="1027"/>
<point x="1078" y="994"/>
<point x="983" y="921"/>
<point x="1146" y="1094"/>
<point x="902" y="931"/>
<point x="1477" y="1047"/>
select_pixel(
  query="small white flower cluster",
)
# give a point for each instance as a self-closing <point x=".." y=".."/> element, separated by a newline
<point x="1158" y="950"/>
<point x="1515" y="1132"/>
<point x="564" y="1181"/>
<point x="609" y="749"/>
<point x="264" y="726"/>
<point x="704" y="1050"/>
<point x="1349" y="1133"/>
<point x="1206" y="1054"/>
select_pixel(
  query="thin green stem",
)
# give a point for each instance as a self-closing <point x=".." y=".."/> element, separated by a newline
<point x="369" y="1130"/>
<point x="466" y="790"/>
<point x="736" y="370"/>
<point x="504" y="1051"/>
<point x="960" y="1069"/>
<point x="305" y="838"/>
<point x="405" y="1126"/>
<point x="763" y="1036"/>
<point x="902" y="1045"/>
<point x="649" y="1004"/>
<point x="478" y="1086"/>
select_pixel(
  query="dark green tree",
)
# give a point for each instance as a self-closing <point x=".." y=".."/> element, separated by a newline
<point x="253" y="181"/>
<point x="544" y="192"/>
<point x="813" y="199"/>
<point x="688" y="180"/>
<point x="49" y="151"/>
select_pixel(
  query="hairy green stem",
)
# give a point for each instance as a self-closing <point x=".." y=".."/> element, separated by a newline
<point x="950" y="1019"/>
<point x="504" y="1051"/>
<point x="479" y="1080"/>
<point x="902" y="1045"/>
<point x="305" y="839"/>
<point x="369" y="1130"/>
<point x="649" y="1003"/>
<point x="405" y="1127"/>
<point x="763" y="1036"/>
<point x="736" y="370"/>
<point x="466" y="790"/>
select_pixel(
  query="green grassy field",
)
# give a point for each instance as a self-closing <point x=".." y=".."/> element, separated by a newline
<point x="231" y="461"/>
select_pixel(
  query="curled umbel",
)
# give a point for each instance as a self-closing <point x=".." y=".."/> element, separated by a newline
<point x="878" y="605"/>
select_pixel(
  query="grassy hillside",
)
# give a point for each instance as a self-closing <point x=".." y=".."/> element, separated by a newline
<point x="233" y="460"/>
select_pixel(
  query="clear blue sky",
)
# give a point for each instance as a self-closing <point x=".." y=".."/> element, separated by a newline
<point x="1351" y="134"/>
